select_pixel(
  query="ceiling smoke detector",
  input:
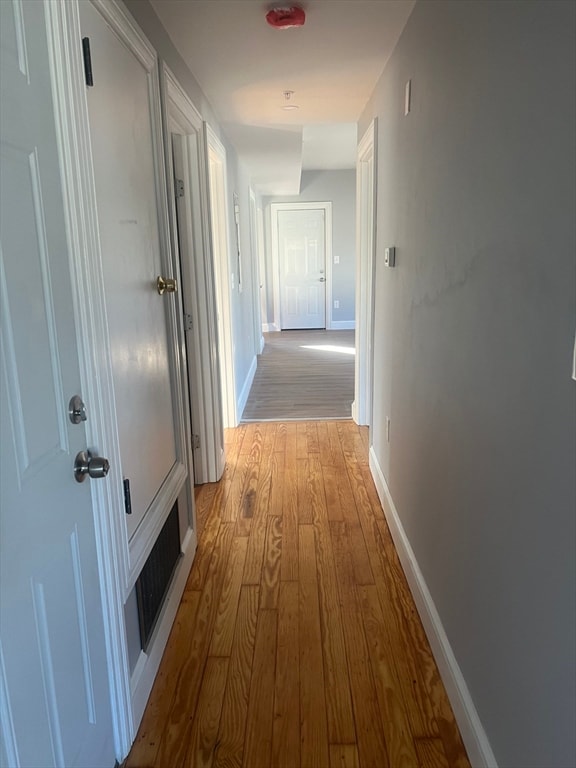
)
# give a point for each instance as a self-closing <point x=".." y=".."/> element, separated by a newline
<point x="286" y="17"/>
<point x="288" y="98"/>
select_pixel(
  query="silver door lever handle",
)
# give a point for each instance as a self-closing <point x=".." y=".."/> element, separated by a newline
<point x="322" y="279"/>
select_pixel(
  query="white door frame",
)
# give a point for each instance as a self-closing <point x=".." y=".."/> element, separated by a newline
<point x="366" y="187"/>
<point x="94" y="354"/>
<point x="274" y="209"/>
<point x="257" y="283"/>
<point x="224" y="276"/>
<point x="197" y="277"/>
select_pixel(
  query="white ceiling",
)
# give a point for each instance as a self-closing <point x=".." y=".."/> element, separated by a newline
<point x="244" y="66"/>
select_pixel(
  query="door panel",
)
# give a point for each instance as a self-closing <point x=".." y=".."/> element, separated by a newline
<point x="302" y="258"/>
<point x="52" y="654"/>
<point x="121" y="113"/>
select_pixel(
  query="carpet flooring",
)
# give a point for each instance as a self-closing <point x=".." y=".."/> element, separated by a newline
<point x="303" y="375"/>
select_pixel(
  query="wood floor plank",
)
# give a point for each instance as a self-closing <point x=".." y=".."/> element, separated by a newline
<point x="289" y="560"/>
<point x="258" y="746"/>
<point x="344" y="756"/>
<point x="232" y="728"/>
<point x="304" y="505"/>
<point x="257" y="537"/>
<point x="151" y="728"/>
<point x="301" y="440"/>
<point x="203" y="740"/>
<point x="395" y="722"/>
<point x="270" y="574"/>
<point x="369" y="735"/>
<point x="431" y="753"/>
<point x="225" y="622"/>
<point x="340" y="715"/>
<point x="286" y="727"/>
<point x="312" y="437"/>
<point x="313" y="720"/>
<point x="334" y="509"/>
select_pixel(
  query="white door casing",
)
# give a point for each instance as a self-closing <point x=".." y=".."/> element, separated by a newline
<point x="223" y="275"/>
<point x="302" y="264"/>
<point x="366" y="175"/>
<point x="257" y="279"/>
<point x="54" y="683"/>
<point x="143" y="327"/>
<point x="191" y="228"/>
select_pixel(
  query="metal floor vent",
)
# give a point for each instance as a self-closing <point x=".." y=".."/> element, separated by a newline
<point x="155" y="577"/>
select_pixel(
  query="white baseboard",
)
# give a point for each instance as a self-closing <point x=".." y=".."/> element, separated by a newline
<point x="147" y="665"/>
<point x="262" y="344"/>
<point x="342" y="325"/>
<point x="269" y="327"/>
<point x="243" y="399"/>
<point x="473" y="734"/>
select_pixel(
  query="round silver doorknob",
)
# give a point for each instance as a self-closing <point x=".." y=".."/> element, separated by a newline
<point x="322" y="279"/>
<point x="86" y="464"/>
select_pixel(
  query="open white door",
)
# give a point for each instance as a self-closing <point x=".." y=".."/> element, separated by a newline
<point x="143" y="317"/>
<point x="225" y="277"/>
<point x="54" y="694"/>
<point x="188" y="183"/>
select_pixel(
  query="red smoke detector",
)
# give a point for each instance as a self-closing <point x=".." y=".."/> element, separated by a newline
<point x="284" y="18"/>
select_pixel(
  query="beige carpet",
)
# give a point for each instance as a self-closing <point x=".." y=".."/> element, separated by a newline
<point x="303" y="375"/>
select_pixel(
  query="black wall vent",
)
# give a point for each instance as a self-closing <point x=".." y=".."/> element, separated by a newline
<point x="155" y="577"/>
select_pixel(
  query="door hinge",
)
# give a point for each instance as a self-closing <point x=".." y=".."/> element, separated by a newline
<point x="188" y="324"/>
<point x="195" y="442"/>
<point x="179" y="188"/>
<point x="87" y="61"/>
<point x="127" y="499"/>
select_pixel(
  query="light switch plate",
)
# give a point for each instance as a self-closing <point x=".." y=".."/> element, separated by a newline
<point x="390" y="257"/>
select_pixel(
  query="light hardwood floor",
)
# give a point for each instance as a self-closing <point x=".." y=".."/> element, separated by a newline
<point x="297" y="643"/>
<point x="303" y="375"/>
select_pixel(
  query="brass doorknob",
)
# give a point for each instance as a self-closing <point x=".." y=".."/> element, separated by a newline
<point x="166" y="285"/>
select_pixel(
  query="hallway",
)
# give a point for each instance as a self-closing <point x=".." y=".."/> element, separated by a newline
<point x="297" y="642"/>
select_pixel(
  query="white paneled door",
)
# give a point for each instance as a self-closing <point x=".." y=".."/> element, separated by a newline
<point x="302" y="263"/>
<point x="124" y="115"/>
<point x="54" y="695"/>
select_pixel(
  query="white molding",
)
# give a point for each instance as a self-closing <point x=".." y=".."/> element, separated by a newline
<point x="366" y="190"/>
<point x="71" y="115"/>
<point x="243" y="399"/>
<point x="473" y="733"/>
<point x="147" y="665"/>
<point x="220" y="240"/>
<point x="343" y="325"/>
<point x="254" y="262"/>
<point x="262" y="345"/>
<point x="326" y="206"/>
<point x="184" y="120"/>
<point x="9" y="740"/>
<point x="269" y="327"/>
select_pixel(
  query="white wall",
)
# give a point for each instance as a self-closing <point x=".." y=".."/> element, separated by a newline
<point x="474" y="332"/>
<point x="339" y="188"/>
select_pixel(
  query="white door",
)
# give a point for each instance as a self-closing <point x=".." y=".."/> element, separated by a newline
<point x="54" y="695"/>
<point x="302" y="261"/>
<point x="124" y="131"/>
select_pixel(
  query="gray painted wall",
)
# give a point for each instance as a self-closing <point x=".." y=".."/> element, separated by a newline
<point x="474" y="332"/>
<point x="339" y="188"/>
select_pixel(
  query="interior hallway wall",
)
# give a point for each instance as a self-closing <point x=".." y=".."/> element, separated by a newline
<point x="474" y="334"/>
<point x="339" y="188"/>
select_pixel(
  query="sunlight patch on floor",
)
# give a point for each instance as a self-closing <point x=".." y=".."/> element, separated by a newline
<point x="330" y="348"/>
